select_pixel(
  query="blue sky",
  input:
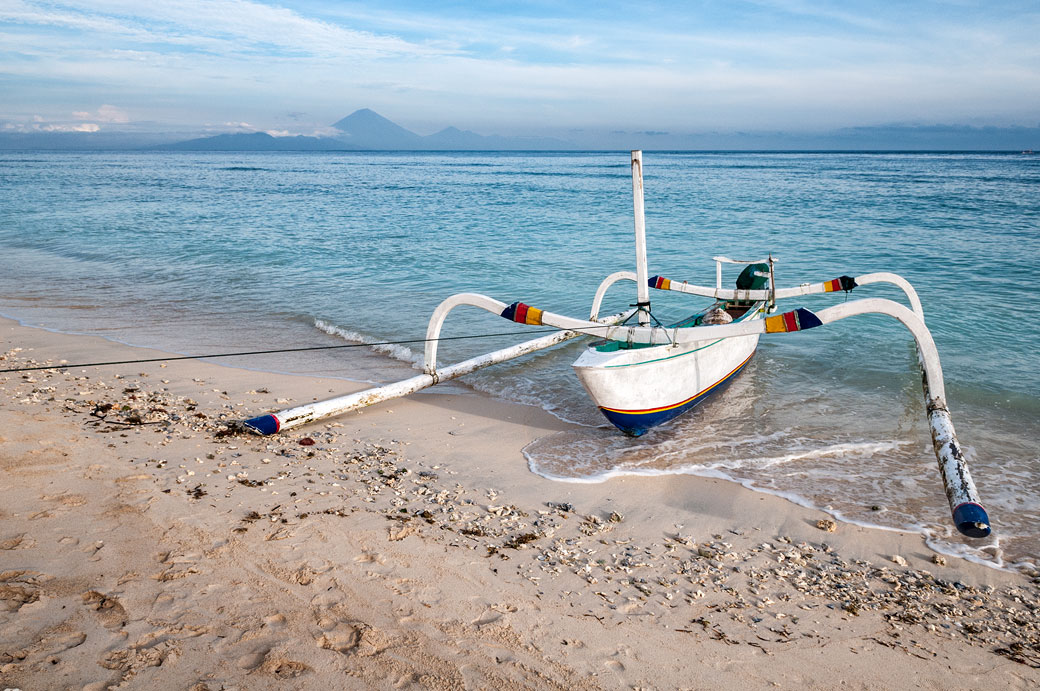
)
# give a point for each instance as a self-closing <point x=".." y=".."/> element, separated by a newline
<point x="517" y="68"/>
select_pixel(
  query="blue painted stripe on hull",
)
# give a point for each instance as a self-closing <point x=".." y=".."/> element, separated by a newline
<point x="636" y="424"/>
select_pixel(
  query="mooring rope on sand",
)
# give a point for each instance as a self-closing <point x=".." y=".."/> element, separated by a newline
<point x="276" y="350"/>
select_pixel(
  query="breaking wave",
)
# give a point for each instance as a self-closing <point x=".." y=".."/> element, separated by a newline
<point x="393" y="350"/>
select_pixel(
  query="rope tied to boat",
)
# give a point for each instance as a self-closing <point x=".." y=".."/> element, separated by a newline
<point x="212" y="356"/>
<point x="845" y="283"/>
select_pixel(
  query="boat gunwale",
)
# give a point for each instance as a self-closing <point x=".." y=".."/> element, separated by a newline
<point x="757" y="308"/>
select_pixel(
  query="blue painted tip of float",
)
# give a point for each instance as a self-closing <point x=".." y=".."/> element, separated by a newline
<point x="971" y="520"/>
<point x="807" y="319"/>
<point x="265" y="424"/>
<point x="510" y="311"/>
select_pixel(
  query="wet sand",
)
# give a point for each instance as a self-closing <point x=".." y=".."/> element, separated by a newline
<point x="145" y="543"/>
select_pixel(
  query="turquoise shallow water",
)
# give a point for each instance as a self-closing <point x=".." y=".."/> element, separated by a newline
<point x="209" y="252"/>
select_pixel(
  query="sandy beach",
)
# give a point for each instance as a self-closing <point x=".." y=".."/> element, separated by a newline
<point x="145" y="543"/>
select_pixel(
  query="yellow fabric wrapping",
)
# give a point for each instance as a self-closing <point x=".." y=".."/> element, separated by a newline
<point x="775" y="324"/>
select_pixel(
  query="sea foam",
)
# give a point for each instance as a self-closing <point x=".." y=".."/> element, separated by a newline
<point x="395" y="350"/>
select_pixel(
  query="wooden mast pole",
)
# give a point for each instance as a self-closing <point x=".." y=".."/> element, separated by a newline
<point x="642" y="288"/>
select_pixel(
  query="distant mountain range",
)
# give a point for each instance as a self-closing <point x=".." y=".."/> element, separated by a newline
<point x="367" y="130"/>
<point x="255" y="141"/>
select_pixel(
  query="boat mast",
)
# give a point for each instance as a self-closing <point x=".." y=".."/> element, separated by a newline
<point x="642" y="287"/>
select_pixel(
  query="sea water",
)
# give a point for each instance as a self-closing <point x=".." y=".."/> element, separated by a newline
<point x="215" y="252"/>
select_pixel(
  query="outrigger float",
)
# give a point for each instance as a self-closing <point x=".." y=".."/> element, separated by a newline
<point x="643" y="374"/>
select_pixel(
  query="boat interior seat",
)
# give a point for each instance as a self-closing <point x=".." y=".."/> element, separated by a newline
<point x="738" y="309"/>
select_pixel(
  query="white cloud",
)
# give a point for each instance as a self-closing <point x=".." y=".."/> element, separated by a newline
<point x="82" y="127"/>
<point x="40" y="125"/>
<point x="182" y="61"/>
<point x="326" y="132"/>
<point x="217" y="26"/>
<point x="106" y="113"/>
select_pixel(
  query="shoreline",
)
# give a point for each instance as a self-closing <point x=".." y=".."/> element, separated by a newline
<point x="409" y="544"/>
<point x="934" y="543"/>
<point x="931" y="542"/>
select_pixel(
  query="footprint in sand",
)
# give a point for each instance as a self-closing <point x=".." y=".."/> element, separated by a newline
<point x="14" y="597"/>
<point x="340" y="636"/>
<point x="283" y="668"/>
<point x="351" y="637"/>
<point x="304" y="576"/>
<point x="369" y="558"/>
<point x="472" y="678"/>
<point x="405" y="615"/>
<point x="487" y="618"/>
<point x="402" y="586"/>
<point x="110" y="611"/>
<point x="424" y="595"/>
<point x="252" y="660"/>
<point x="501" y="655"/>
<point x="17" y="542"/>
<point x="66" y="499"/>
<point x="634" y="608"/>
<point x="163" y="600"/>
<point x="406" y="680"/>
<point x="60" y="642"/>
<point x="131" y="661"/>
<point x="275" y="621"/>
<point x="19" y="588"/>
<point x="299" y="573"/>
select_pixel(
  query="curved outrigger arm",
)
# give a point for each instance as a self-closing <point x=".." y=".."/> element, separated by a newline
<point x="433" y="329"/>
<point x="845" y="283"/>
<point x="605" y="284"/>
<point x="968" y="514"/>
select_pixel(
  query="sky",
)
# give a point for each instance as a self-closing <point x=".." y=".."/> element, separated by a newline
<point x="531" y="68"/>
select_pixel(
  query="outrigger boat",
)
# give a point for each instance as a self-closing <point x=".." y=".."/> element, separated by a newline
<point x="643" y="374"/>
<point x="641" y="385"/>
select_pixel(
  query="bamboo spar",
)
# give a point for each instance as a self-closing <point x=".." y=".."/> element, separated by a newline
<point x="273" y="423"/>
<point x="301" y="415"/>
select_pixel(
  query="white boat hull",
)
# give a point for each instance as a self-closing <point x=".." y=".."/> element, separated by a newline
<point x="640" y="388"/>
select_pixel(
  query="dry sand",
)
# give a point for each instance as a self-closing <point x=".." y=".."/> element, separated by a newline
<point x="408" y="546"/>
